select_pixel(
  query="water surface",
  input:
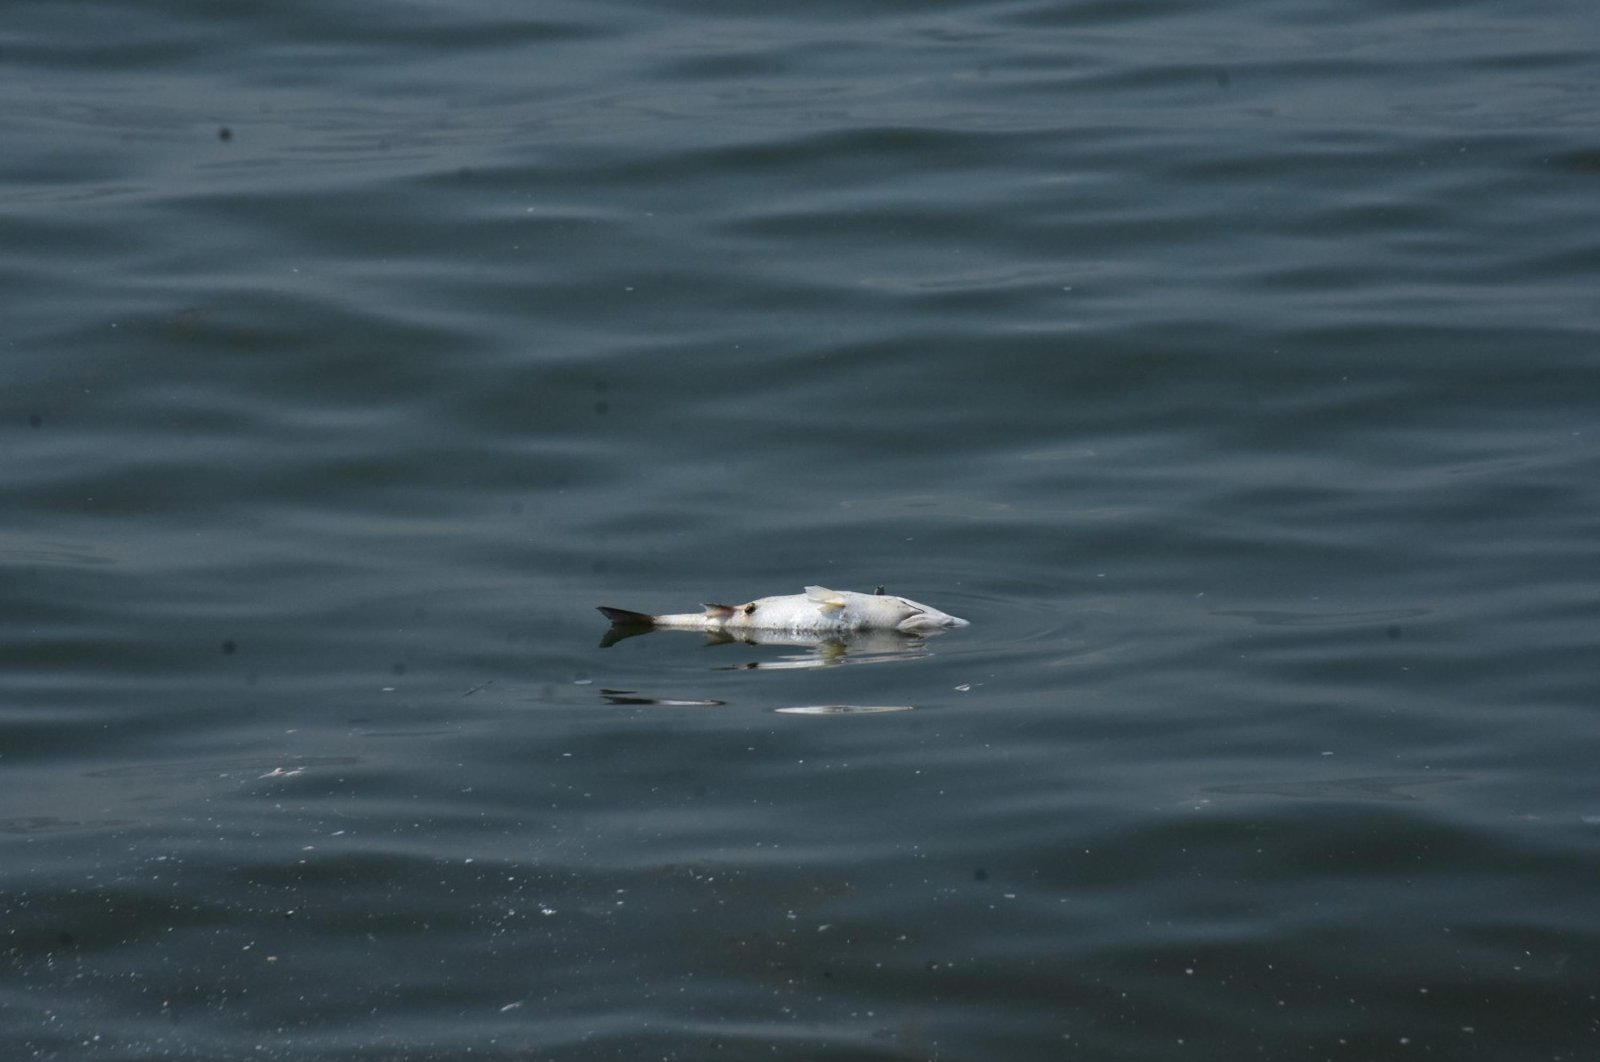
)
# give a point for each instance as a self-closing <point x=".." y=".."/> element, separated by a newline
<point x="1233" y="370"/>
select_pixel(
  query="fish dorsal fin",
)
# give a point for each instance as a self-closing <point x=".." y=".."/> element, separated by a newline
<point x="829" y="601"/>
<point x="720" y="612"/>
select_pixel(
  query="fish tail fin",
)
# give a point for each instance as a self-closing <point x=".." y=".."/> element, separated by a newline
<point x="623" y="617"/>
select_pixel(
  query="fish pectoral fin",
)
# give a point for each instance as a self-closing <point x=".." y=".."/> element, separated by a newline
<point x="829" y="601"/>
<point x="718" y="612"/>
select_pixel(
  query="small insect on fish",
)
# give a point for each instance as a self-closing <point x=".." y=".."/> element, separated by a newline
<point x="817" y="610"/>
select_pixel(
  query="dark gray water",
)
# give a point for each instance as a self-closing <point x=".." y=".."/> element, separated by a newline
<point x="1234" y="368"/>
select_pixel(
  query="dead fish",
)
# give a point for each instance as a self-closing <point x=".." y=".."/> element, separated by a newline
<point x="817" y="610"/>
<point x="825" y="648"/>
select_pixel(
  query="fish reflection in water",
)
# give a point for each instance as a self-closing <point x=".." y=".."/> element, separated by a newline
<point x="633" y="697"/>
<point x="822" y="649"/>
<point x="843" y="709"/>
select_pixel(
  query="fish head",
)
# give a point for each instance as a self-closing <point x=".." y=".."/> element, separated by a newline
<point x="920" y="617"/>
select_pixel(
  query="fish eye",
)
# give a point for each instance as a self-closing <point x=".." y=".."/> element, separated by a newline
<point x="750" y="608"/>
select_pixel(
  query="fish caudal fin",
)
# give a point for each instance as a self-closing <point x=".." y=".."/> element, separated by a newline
<point x="623" y="617"/>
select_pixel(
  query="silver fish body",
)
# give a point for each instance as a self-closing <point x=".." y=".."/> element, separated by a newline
<point x="818" y="610"/>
